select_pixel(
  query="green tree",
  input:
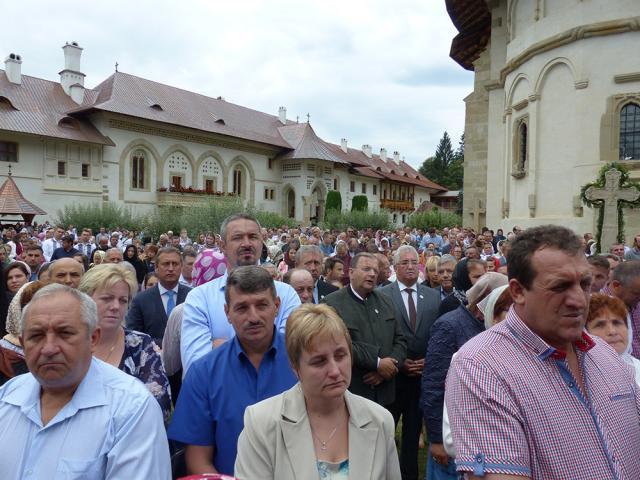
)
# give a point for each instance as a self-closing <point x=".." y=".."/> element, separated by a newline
<point x="446" y="166"/>
<point x="360" y="203"/>
<point x="334" y="201"/>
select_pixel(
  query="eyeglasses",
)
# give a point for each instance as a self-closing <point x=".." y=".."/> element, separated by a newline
<point x="406" y="263"/>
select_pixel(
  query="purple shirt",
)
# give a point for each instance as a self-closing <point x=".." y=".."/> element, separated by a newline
<point x="515" y="408"/>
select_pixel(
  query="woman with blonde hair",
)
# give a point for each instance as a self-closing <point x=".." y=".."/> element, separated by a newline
<point x="431" y="278"/>
<point x="317" y="429"/>
<point x="112" y="286"/>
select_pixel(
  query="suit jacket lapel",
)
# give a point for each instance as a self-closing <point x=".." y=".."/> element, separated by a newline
<point x="422" y="299"/>
<point x="159" y="305"/>
<point x="362" y="437"/>
<point x="399" y="301"/>
<point x="182" y="294"/>
<point x="297" y="435"/>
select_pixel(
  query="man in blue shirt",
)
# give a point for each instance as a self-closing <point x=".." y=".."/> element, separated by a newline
<point x="204" y="322"/>
<point x="250" y="367"/>
<point x="74" y="416"/>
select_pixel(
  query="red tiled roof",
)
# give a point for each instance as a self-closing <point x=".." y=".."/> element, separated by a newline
<point x="138" y="97"/>
<point x="306" y="144"/>
<point x="368" y="172"/>
<point x="13" y="203"/>
<point x="37" y="106"/>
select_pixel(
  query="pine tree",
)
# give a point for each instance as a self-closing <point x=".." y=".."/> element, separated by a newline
<point x="445" y="167"/>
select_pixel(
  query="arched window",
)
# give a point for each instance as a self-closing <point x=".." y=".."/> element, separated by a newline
<point x="237" y="181"/>
<point x="630" y="132"/>
<point x="522" y="146"/>
<point x="138" y="161"/>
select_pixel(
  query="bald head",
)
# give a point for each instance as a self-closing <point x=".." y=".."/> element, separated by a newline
<point x="66" y="271"/>
<point x="302" y="282"/>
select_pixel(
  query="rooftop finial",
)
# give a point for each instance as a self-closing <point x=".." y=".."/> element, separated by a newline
<point x="308" y="117"/>
<point x="116" y="66"/>
<point x="9" y="170"/>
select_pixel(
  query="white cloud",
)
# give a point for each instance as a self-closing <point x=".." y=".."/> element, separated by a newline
<point x="375" y="72"/>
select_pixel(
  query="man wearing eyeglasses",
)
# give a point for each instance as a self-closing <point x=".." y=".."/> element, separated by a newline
<point x="416" y="309"/>
<point x="379" y="347"/>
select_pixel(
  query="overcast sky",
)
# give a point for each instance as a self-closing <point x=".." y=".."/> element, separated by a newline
<point x="375" y="72"/>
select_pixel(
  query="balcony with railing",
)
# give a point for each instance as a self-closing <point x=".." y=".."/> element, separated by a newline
<point x="184" y="196"/>
<point x="402" y="205"/>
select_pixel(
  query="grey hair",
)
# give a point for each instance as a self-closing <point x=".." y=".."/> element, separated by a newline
<point x="233" y="218"/>
<point x="447" y="259"/>
<point x="627" y="272"/>
<point x="305" y="250"/>
<point x="401" y="250"/>
<point x="249" y="279"/>
<point x="88" y="308"/>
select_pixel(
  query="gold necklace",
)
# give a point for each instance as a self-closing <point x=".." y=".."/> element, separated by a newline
<point x="112" y="348"/>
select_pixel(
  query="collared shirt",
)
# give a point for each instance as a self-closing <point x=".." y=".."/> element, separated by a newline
<point x="516" y="408"/>
<point x="357" y="295"/>
<point x="164" y="297"/>
<point x="183" y="281"/>
<point x="216" y="391"/>
<point x="111" y="428"/>
<point x="204" y="318"/>
<point x="405" y="295"/>
<point x="327" y="250"/>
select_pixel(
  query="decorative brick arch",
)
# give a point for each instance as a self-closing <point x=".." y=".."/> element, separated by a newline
<point x="240" y="160"/>
<point x="182" y="149"/>
<point x="142" y="144"/>
<point x="554" y="63"/>
<point x="215" y="155"/>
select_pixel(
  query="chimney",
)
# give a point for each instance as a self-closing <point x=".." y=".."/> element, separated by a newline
<point x="366" y="149"/>
<point x="383" y="154"/>
<point x="12" y="68"/>
<point x="282" y="115"/>
<point x="343" y="145"/>
<point x="71" y="76"/>
<point x="396" y="157"/>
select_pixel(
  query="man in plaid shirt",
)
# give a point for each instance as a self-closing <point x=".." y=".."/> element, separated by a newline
<point x="537" y="397"/>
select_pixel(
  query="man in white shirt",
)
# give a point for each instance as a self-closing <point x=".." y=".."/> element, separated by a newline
<point x="49" y="245"/>
<point x="74" y="416"/>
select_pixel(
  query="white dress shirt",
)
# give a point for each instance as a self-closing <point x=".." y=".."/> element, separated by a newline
<point x="112" y="428"/>
<point x="165" y="298"/>
<point x="405" y="296"/>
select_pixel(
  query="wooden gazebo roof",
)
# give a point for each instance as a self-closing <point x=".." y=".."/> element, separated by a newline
<point x="12" y="202"/>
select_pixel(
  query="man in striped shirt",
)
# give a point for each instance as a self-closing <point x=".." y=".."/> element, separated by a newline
<point x="536" y="397"/>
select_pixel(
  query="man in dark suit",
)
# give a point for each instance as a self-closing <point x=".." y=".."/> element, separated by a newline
<point x="379" y="346"/>
<point x="309" y="257"/>
<point x="150" y="309"/>
<point x="416" y="308"/>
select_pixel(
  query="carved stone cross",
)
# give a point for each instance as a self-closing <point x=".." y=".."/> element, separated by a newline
<point x="610" y="195"/>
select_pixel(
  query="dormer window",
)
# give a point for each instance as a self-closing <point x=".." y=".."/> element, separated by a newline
<point x="68" y="122"/>
<point x="5" y="103"/>
<point x="157" y="106"/>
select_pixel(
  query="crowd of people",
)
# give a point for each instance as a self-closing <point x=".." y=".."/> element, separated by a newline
<point x="296" y="353"/>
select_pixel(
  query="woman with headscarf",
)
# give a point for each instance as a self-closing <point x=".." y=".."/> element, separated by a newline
<point x="11" y="353"/>
<point x="131" y="256"/>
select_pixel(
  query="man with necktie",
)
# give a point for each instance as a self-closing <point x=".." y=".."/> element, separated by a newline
<point x="150" y="309"/>
<point x="416" y="309"/>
